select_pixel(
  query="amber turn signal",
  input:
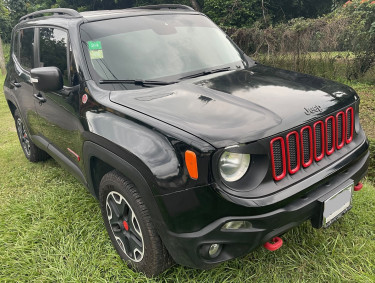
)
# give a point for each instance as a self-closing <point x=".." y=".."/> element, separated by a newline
<point x="191" y="164"/>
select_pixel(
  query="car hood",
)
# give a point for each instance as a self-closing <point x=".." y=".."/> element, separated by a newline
<point x="239" y="106"/>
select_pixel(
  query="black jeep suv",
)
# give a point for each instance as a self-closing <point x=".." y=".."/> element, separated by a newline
<point x="196" y="153"/>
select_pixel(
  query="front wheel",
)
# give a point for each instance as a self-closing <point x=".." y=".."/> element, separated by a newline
<point x="129" y="226"/>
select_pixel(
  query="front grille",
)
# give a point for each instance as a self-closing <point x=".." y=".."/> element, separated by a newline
<point x="330" y="135"/>
<point x="306" y="144"/>
<point x="349" y="124"/>
<point x="340" y="126"/>
<point x="311" y="143"/>
<point x="319" y="140"/>
<point x="278" y="163"/>
<point x="292" y="146"/>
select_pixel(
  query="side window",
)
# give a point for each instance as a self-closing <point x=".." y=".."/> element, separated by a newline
<point x="26" y="49"/>
<point x="16" y="45"/>
<point x="73" y="73"/>
<point x="53" y="50"/>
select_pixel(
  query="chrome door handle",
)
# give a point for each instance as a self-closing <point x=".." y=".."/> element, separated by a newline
<point x="15" y="84"/>
<point x="40" y="97"/>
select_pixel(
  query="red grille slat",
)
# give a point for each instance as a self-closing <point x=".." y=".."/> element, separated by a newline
<point x="319" y="146"/>
<point x="306" y="146"/>
<point x="330" y="135"/>
<point x="349" y="119"/>
<point x="299" y="149"/>
<point x="340" y="130"/>
<point x="293" y="157"/>
<point x="276" y="163"/>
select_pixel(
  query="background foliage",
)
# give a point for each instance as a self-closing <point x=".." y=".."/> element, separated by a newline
<point x="339" y="45"/>
<point x="330" y="38"/>
<point x="233" y="13"/>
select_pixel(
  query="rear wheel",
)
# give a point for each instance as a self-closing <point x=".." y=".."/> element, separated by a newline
<point x="129" y="226"/>
<point x="31" y="151"/>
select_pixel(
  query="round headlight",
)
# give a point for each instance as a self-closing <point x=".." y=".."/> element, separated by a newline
<point x="233" y="165"/>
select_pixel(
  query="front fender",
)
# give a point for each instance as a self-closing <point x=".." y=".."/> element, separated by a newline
<point x="157" y="150"/>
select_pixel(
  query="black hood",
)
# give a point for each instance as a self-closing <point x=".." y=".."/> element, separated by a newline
<point x="240" y="106"/>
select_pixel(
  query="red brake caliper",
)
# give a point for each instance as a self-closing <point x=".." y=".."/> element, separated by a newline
<point x="126" y="226"/>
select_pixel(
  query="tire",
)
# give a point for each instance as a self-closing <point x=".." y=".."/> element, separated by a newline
<point x="129" y="226"/>
<point x="31" y="151"/>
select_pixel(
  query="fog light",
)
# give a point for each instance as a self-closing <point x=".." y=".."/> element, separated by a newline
<point x="214" y="250"/>
<point x="234" y="225"/>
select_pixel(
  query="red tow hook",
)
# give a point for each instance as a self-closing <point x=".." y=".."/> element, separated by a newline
<point x="358" y="187"/>
<point x="274" y="245"/>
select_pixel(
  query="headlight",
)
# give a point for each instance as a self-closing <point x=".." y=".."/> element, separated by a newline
<point x="233" y="165"/>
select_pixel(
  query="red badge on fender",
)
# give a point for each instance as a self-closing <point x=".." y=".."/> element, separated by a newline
<point x="84" y="98"/>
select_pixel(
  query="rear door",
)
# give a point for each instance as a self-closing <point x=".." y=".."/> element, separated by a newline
<point x="59" y="121"/>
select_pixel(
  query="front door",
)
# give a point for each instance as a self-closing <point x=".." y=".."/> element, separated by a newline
<point x="59" y="121"/>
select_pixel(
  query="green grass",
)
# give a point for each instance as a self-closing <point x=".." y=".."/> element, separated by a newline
<point x="338" y="66"/>
<point x="51" y="230"/>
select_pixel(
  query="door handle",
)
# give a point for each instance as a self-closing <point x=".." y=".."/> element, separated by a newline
<point x="40" y="97"/>
<point x="15" y="84"/>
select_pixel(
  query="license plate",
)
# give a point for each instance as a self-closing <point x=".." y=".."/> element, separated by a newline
<point x="338" y="204"/>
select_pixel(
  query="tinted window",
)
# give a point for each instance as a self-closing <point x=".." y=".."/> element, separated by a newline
<point x="53" y="50"/>
<point x="26" y="56"/>
<point x="73" y="76"/>
<point x="16" y="45"/>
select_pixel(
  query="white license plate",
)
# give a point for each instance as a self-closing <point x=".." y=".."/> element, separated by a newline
<point x="335" y="206"/>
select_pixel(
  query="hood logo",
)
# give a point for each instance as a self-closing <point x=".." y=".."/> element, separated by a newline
<point x="312" y="110"/>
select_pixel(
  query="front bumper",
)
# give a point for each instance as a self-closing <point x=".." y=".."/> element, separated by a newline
<point x="191" y="248"/>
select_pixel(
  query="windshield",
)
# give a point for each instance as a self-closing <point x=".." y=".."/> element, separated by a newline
<point x="156" y="47"/>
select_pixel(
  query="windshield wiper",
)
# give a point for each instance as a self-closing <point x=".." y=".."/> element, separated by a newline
<point x="204" y="73"/>
<point x="137" y="82"/>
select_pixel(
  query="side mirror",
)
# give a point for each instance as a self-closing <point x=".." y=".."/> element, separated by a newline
<point x="47" y="78"/>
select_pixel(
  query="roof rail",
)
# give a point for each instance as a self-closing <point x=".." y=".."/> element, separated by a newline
<point x="165" y="6"/>
<point x="56" y="11"/>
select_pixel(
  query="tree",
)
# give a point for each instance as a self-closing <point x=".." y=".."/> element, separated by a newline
<point x="284" y="10"/>
<point x="233" y="13"/>
<point x="5" y="22"/>
<point x="4" y="32"/>
<point x="17" y="9"/>
<point x="2" y="58"/>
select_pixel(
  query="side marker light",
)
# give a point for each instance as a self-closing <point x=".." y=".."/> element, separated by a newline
<point x="191" y="164"/>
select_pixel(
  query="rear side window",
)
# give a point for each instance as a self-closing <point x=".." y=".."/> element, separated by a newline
<point x="16" y="45"/>
<point x="26" y="48"/>
<point x="53" y="50"/>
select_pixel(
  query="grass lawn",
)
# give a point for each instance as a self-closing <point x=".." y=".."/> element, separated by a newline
<point x="51" y="230"/>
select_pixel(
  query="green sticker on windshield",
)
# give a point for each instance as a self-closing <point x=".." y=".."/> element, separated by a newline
<point x="96" y="54"/>
<point x="94" y="45"/>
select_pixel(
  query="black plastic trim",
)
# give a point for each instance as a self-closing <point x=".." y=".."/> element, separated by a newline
<point x="56" y="12"/>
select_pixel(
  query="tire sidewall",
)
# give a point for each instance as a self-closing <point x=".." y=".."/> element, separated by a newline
<point x="17" y="117"/>
<point x="107" y="186"/>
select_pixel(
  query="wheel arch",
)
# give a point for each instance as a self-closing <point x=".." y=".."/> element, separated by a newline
<point x="99" y="161"/>
<point x="11" y="106"/>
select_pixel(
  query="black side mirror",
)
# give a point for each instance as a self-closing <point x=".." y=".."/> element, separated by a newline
<point x="47" y="78"/>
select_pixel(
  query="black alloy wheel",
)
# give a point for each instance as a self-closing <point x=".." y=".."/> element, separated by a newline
<point x="125" y="227"/>
<point x="23" y="137"/>
<point x="130" y="226"/>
